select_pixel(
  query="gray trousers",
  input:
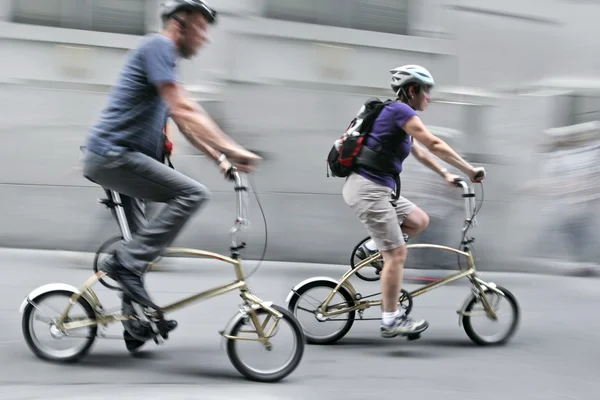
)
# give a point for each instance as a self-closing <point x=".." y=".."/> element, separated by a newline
<point x="140" y="177"/>
<point x="135" y="211"/>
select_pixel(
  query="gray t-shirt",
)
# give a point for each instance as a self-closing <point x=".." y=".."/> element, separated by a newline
<point x="135" y="115"/>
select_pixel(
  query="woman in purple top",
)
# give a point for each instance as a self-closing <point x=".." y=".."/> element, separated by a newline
<point x="368" y="192"/>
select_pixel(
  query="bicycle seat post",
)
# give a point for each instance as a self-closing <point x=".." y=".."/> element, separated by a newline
<point x="121" y="217"/>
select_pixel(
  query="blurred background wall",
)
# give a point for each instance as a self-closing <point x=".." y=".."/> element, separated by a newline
<point x="284" y="77"/>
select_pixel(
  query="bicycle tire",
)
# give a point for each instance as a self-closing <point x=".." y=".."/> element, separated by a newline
<point x="102" y="247"/>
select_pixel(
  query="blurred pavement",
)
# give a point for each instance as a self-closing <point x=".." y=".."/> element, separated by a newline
<point x="552" y="356"/>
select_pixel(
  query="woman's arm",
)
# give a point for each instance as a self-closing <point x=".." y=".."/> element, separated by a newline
<point x="415" y="127"/>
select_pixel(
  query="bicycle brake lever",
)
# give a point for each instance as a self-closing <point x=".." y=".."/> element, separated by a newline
<point x="457" y="181"/>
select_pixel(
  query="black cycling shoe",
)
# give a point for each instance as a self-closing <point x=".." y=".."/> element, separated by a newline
<point x="130" y="283"/>
<point x="165" y="326"/>
<point x="138" y="332"/>
<point x="133" y="344"/>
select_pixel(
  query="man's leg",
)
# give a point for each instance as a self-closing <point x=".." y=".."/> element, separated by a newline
<point x="135" y="213"/>
<point x="141" y="177"/>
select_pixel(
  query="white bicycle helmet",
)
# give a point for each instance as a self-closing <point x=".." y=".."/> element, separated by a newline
<point x="406" y="74"/>
<point x="171" y="7"/>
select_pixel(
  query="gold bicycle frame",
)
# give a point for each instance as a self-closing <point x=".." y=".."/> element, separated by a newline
<point x="251" y="301"/>
<point x="364" y="304"/>
<point x="470" y="272"/>
<point x="101" y="318"/>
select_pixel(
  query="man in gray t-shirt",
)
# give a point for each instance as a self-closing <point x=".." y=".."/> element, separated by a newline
<point x="136" y="113"/>
<point x="125" y="147"/>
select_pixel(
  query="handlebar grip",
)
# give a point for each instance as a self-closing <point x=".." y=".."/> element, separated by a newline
<point x="480" y="174"/>
<point x="231" y="172"/>
<point x="458" y="181"/>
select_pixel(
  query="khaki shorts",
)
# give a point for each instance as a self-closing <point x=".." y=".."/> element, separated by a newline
<point x="371" y="204"/>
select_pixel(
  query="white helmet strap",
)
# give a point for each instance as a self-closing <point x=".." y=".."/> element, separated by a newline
<point x="404" y="90"/>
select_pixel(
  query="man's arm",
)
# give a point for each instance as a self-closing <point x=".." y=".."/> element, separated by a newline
<point x="200" y="110"/>
<point x="160" y="61"/>
<point x="196" y="125"/>
<point x="200" y="144"/>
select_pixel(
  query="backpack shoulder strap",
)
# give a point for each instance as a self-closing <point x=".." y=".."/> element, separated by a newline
<point x="374" y="108"/>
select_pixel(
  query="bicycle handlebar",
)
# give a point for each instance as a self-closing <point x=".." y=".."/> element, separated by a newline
<point x="242" y="190"/>
<point x="241" y="204"/>
<point x="235" y="176"/>
<point x="469" y="196"/>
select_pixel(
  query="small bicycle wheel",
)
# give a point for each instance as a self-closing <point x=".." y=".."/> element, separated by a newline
<point x="342" y="299"/>
<point x="80" y="310"/>
<point x="106" y="249"/>
<point x="370" y="273"/>
<point x="246" y="326"/>
<point x="493" y="298"/>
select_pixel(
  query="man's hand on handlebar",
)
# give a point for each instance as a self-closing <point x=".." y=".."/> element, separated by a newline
<point x="225" y="167"/>
<point x="242" y="160"/>
<point x="245" y="160"/>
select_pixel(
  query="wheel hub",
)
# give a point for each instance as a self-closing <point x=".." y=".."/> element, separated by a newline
<point x="55" y="332"/>
<point x="319" y="316"/>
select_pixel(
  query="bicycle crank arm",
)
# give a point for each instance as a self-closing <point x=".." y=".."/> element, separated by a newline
<point x="158" y="338"/>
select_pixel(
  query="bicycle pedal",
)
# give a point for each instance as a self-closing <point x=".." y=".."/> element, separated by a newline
<point x="161" y="332"/>
<point x="413" y="337"/>
<point x="158" y="340"/>
<point x="164" y="335"/>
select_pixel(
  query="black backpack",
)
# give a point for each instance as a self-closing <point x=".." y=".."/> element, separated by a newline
<point x="348" y="151"/>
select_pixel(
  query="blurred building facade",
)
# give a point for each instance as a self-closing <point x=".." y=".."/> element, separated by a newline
<point x="284" y="77"/>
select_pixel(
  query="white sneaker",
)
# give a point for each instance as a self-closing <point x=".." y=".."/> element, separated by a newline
<point x="404" y="326"/>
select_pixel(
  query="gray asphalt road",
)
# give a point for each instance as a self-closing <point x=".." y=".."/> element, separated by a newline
<point x="553" y="356"/>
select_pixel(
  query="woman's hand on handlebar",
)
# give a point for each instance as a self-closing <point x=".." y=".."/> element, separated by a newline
<point x="451" y="178"/>
<point x="477" y="174"/>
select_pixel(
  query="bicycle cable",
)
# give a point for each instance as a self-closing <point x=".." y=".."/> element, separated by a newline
<point x="262" y="257"/>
